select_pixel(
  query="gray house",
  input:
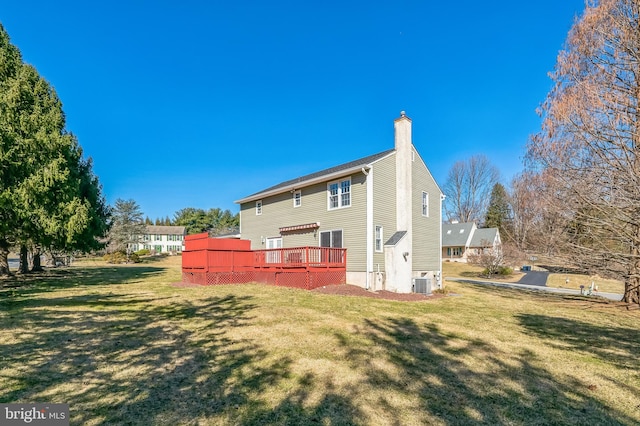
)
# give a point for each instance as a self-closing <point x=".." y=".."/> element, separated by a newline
<point x="385" y="209"/>
<point x="459" y="240"/>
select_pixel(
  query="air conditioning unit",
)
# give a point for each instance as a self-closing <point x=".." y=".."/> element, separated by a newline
<point x="422" y="285"/>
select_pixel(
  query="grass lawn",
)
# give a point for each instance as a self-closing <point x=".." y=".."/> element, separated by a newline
<point x="120" y="345"/>
<point x="559" y="280"/>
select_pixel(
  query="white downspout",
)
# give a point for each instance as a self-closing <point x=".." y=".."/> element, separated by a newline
<point x="368" y="173"/>
<point x="440" y="282"/>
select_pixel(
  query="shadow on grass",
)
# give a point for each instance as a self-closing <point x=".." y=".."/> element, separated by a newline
<point x="61" y="278"/>
<point x="457" y="380"/>
<point x="134" y="359"/>
<point x="612" y="344"/>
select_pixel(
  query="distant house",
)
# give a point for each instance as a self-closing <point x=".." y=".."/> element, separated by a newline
<point x="459" y="240"/>
<point x="162" y="239"/>
<point x="385" y="209"/>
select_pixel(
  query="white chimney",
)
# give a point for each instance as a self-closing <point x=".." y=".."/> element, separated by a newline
<point x="404" y="155"/>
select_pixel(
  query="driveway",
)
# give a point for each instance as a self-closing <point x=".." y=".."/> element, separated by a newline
<point x="535" y="278"/>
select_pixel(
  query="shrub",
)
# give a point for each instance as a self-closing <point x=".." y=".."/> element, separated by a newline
<point x="501" y="270"/>
<point x="120" y="257"/>
<point x="143" y="252"/>
<point x="505" y="270"/>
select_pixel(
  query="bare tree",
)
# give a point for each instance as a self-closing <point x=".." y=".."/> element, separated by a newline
<point x="491" y="258"/>
<point x="534" y="227"/>
<point x="588" y="148"/>
<point x="468" y="189"/>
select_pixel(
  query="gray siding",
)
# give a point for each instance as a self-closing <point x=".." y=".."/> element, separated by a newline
<point x="278" y="211"/>
<point x="426" y="230"/>
<point x="384" y="204"/>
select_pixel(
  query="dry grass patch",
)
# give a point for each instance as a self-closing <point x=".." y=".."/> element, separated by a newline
<point x="576" y="280"/>
<point x="466" y="270"/>
<point x="121" y="345"/>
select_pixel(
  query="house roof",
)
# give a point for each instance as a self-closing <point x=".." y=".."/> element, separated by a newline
<point x="456" y="234"/>
<point x="165" y="230"/>
<point x="483" y="237"/>
<point x="395" y="238"/>
<point x="322" y="175"/>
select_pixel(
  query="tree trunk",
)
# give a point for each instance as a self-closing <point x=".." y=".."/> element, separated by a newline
<point x="24" y="260"/>
<point x="4" y="260"/>
<point x="37" y="266"/>
<point x="632" y="284"/>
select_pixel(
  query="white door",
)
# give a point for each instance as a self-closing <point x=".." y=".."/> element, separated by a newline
<point x="274" y="256"/>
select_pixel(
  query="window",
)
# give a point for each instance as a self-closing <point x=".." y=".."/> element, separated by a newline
<point x="455" y="251"/>
<point x="331" y="238"/>
<point x="258" y="208"/>
<point x="339" y="193"/>
<point x="297" y="198"/>
<point x="157" y="237"/>
<point x="425" y="204"/>
<point x="378" y="238"/>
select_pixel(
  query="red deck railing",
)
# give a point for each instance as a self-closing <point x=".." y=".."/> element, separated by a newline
<point x="225" y="261"/>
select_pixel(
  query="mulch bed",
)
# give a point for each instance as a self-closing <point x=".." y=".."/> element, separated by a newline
<point x="354" y="290"/>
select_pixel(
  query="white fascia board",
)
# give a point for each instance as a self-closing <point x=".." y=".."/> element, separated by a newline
<point x="302" y="184"/>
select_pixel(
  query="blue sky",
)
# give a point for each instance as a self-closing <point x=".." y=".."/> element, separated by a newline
<point x="200" y="103"/>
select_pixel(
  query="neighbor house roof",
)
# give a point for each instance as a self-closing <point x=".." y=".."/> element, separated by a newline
<point x="456" y="234"/>
<point x="322" y="175"/>
<point x="484" y="237"/>
<point x="165" y="230"/>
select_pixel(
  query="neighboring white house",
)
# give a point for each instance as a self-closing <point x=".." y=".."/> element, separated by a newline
<point x="459" y="240"/>
<point x="162" y="239"/>
<point x="385" y="209"/>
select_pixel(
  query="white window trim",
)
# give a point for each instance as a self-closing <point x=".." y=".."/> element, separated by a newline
<point x="258" y="207"/>
<point x="330" y="232"/>
<point x="299" y="193"/>
<point x="425" y="204"/>
<point x="376" y="239"/>
<point x="339" y="183"/>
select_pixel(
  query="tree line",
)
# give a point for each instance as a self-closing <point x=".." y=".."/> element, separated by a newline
<point x="215" y="221"/>
<point x="129" y="227"/>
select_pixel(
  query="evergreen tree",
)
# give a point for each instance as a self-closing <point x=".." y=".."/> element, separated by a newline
<point x="498" y="211"/>
<point x="49" y="197"/>
<point x="128" y="226"/>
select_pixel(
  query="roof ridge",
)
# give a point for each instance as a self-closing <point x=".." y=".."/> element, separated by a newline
<point x="344" y="166"/>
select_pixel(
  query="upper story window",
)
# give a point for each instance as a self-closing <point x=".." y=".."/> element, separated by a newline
<point x="258" y="207"/>
<point x="339" y="193"/>
<point x="297" y="198"/>
<point x="425" y="204"/>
